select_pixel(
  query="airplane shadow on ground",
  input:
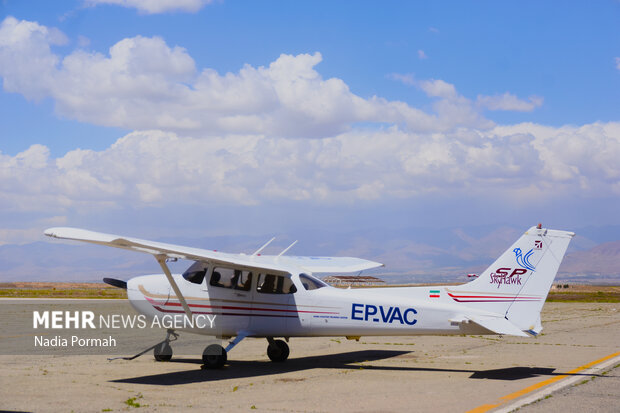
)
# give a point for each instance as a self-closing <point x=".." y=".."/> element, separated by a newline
<point x="355" y="360"/>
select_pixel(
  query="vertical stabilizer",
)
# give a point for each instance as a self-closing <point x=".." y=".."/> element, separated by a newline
<point x="517" y="283"/>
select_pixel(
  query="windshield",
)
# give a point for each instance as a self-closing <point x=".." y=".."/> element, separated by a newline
<point x="311" y="283"/>
<point x="196" y="272"/>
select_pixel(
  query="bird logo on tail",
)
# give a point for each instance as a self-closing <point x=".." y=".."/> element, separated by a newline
<point x="524" y="260"/>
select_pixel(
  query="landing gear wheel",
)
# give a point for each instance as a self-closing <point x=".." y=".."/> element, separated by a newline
<point x="214" y="356"/>
<point x="162" y="352"/>
<point x="278" y="351"/>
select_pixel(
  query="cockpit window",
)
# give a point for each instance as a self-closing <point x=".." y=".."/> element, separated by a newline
<point x="196" y="272"/>
<point x="311" y="283"/>
<point x="230" y="278"/>
<point x="275" y="284"/>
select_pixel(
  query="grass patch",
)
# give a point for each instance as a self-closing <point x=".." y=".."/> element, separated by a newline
<point x="60" y="290"/>
<point x="290" y="380"/>
<point x="62" y="293"/>
<point x="600" y="296"/>
<point x="131" y="402"/>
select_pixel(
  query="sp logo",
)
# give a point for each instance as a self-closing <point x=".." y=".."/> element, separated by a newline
<point x="507" y="276"/>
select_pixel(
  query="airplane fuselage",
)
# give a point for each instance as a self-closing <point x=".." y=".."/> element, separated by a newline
<point x="325" y="311"/>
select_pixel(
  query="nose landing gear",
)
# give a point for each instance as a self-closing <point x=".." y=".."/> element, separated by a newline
<point x="214" y="356"/>
<point x="162" y="350"/>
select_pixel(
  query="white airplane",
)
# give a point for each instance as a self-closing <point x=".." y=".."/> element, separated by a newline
<point x="278" y="296"/>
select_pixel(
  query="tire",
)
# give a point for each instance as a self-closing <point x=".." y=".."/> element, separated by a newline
<point x="163" y="352"/>
<point x="278" y="351"/>
<point x="214" y="356"/>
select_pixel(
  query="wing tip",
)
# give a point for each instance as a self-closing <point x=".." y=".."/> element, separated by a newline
<point x="52" y="232"/>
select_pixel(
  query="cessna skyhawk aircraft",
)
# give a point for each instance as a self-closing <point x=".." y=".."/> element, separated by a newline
<point x="278" y="296"/>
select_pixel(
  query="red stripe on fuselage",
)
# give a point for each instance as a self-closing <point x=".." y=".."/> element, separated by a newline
<point x="164" y="310"/>
<point x="225" y="307"/>
<point x="491" y="301"/>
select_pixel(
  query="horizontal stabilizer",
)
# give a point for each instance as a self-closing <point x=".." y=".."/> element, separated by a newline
<point x="498" y="325"/>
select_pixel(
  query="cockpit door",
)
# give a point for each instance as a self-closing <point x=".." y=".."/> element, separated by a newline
<point x="230" y="298"/>
<point x="273" y="305"/>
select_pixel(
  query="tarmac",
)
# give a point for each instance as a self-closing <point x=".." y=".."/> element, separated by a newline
<point x="572" y="366"/>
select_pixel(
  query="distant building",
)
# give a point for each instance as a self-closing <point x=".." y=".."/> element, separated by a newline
<point x="353" y="280"/>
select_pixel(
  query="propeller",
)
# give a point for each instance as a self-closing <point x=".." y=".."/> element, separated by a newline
<point x="116" y="283"/>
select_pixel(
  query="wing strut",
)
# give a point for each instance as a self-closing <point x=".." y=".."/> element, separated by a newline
<point x="264" y="246"/>
<point x="287" y="248"/>
<point x="161" y="259"/>
<point x="242" y="334"/>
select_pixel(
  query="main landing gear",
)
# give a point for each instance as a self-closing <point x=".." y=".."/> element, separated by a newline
<point x="277" y="350"/>
<point x="215" y="356"/>
<point x="163" y="351"/>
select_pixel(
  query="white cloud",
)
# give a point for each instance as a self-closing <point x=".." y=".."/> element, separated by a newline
<point x="584" y="156"/>
<point x="453" y="106"/>
<point x="154" y="168"/>
<point x="225" y="139"/>
<point x="510" y="102"/>
<point x="422" y="55"/>
<point x="407" y="79"/>
<point x="618" y="63"/>
<point x="26" y="60"/>
<point x="438" y="88"/>
<point x="156" y="6"/>
<point x="142" y="83"/>
<point x="34" y="157"/>
<point x="452" y="109"/>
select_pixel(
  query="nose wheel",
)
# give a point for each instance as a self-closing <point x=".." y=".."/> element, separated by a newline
<point x="214" y="356"/>
<point x="277" y="350"/>
<point x="162" y="350"/>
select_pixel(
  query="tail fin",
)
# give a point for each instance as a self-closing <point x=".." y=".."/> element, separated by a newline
<point x="517" y="283"/>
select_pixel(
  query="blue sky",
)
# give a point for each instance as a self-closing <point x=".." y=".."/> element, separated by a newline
<point x="233" y="117"/>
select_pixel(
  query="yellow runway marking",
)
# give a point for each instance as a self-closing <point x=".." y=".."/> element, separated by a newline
<point x="529" y="389"/>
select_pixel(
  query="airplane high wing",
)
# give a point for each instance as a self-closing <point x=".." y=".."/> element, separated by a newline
<point x="268" y="262"/>
<point x="278" y="296"/>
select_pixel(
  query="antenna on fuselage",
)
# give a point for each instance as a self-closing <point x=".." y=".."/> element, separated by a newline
<point x="263" y="247"/>
<point x="287" y="248"/>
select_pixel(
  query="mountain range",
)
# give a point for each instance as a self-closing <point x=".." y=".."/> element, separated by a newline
<point x="409" y="254"/>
